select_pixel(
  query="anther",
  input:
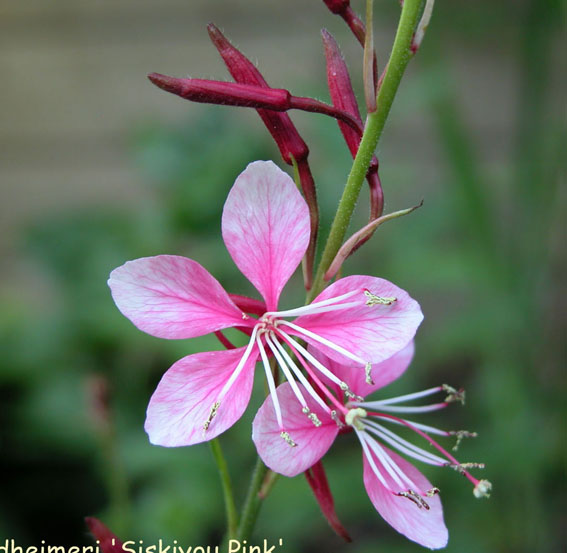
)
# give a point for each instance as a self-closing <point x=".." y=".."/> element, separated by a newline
<point x="416" y="498"/>
<point x="462" y="468"/>
<point x="338" y="421"/>
<point x="352" y="418"/>
<point x="453" y="394"/>
<point x="432" y="492"/>
<point x="368" y="370"/>
<point x="460" y="435"/>
<point x="211" y="416"/>
<point x="311" y="416"/>
<point x="373" y="299"/>
<point x="349" y="393"/>
<point x="244" y="316"/>
<point x="482" y="489"/>
<point x="287" y="439"/>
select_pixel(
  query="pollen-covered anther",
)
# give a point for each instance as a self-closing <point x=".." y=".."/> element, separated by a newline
<point x="311" y="416"/>
<point x="373" y="299"/>
<point x="462" y="468"/>
<point x="245" y="316"/>
<point x="349" y="393"/>
<point x="338" y="421"/>
<point x="453" y="394"/>
<point x="482" y="489"/>
<point x="212" y="414"/>
<point x="352" y="418"/>
<point x="368" y="371"/>
<point x="460" y="435"/>
<point x="287" y="439"/>
<point x="432" y="492"/>
<point x="416" y="498"/>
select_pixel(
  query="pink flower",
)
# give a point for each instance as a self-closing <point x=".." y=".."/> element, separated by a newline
<point x="389" y="479"/>
<point x="357" y="320"/>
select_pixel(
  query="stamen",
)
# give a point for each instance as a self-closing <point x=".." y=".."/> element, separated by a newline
<point x="460" y="435"/>
<point x="311" y="416"/>
<point x="424" y="427"/>
<point x="338" y="421"/>
<point x="362" y="437"/>
<point x="404" y="409"/>
<point x="432" y="492"/>
<point x="317" y="364"/>
<point x="404" y="446"/>
<point x="212" y="414"/>
<point x="406" y="397"/>
<point x="454" y="394"/>
<point x="287" y="438"/>
<point x="271" y="383"/>
<point x="285" y="370"/>
<point x="416" y="498"/>
<point x="325" y="342"/>
<point x="240" y="366"/>
<point x="368" y="370"/>
<point x="348" y="392"/>
<point x="285" y="337"/>
<point x="313" y="308"/>
<point x="430" y="440"/>
<point x="395" y="472"/>
<point x="462" y="468"/>
<point x="482" y="489"/>
<point x="373" y="299"/>
<point x="299" y="375"/>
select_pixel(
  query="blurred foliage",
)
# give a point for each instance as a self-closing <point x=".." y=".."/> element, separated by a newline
<point x="482" y="257"/>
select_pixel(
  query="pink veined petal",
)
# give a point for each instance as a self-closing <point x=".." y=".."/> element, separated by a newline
<point x="312" y="442"/>
<point x="372" y="332"/>
<point x="169" y="296"/>
<point x="183" y="399"/>
<point x="382" y="373"/>
<point x="420" y="525"/>
<point x="265" y="226"/>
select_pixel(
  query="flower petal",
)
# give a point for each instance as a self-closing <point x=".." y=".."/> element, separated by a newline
<point x="169" y="296"/>
<point x="382" y="373"/>
<point x="265" y="226"/>
<point x="312" y="442"/>
<point x="185" y="395"/>
<point x="425" y="527"/>
<point x="372" y="332"/>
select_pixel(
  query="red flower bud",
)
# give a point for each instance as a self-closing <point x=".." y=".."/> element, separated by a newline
<point x="109" y="543"/>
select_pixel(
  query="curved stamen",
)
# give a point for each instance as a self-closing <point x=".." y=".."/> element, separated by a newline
<point x="403" y="445"/>
<point x="325" y="342"/>
<point x="311" y="416"/>
<point x="228" y="384"/>
<point x="300" y="376"/>
<point x="271" y="383"/>
<point x="313" y="308"/>
<point x="310" y="372"/>
<point x="407" y="397"/>
<point x="424" y="427"/>
<point x="402" y="409"/>
<point x="393" y="469"/>
<point x="454" y="461"/>
<point x="362" y="438"/>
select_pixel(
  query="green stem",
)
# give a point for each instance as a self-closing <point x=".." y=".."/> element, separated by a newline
<point x="252" y="503"/>
<point x="231" y="513"/>
<point x="399" y="59"/>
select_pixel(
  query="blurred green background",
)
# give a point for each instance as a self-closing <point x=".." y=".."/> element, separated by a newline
<point x="99" y="167"/>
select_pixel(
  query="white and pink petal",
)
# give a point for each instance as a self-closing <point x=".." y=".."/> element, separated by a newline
<point x="170" y="296"/>
<point x="369" y="330"/>
<point x="312" y="442"/>
<point x="420" y="525"/>
<point x="265" y="226"/>
<point x="182" y="402"/>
